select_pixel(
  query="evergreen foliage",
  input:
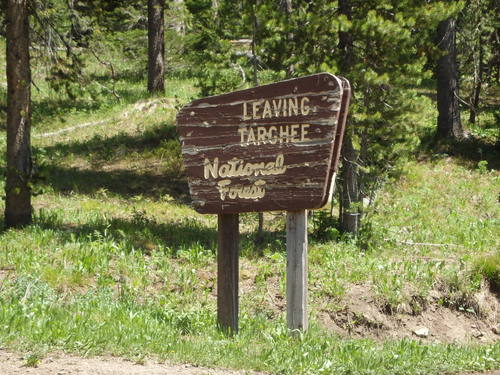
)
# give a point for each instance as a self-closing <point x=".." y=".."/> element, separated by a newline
<point x="392" y="42"/>
<point x="385" y="66"/>
<point x="221" y="43"/>
<point x="478" y="45"/>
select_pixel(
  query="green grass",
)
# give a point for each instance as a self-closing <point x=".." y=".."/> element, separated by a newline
<point x="131" y="271"/>
<point x="489" y="267"/>
<point x="104" y="319"/>
<point x="117" y="262"/>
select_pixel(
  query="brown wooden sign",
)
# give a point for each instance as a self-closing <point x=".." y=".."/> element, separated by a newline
<point x="266" y="148"/>
<point x="339" y="137"/>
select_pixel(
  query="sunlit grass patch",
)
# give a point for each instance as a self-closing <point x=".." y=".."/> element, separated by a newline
<point x="100" y="320"/>
<point x="445" y="205"/>
<point x="488" y="266"/>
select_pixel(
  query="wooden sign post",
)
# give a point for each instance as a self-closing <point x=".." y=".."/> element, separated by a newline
<point x="271" y="147"/>
<point x="227" y="271"/>
<point x="296" y="269"/>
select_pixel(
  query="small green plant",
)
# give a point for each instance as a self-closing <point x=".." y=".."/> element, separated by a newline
<point x="489" y="267"/>
<point x="265" y="271"/>
<point x="482" y="166"/>
<point x="32" y="359"/>
<point x="325" y="226"/>
<point x="140" y="217"/>
<point x="195" y="253"/>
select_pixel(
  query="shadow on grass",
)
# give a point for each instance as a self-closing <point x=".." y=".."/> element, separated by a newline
<point x="138" y="232"/>
<point x="125" y="183"/>
<point x="162" y="141"/>
<point x="145" y="233"/>
<point x="106" y="148"/>
<point x="142" y="232"/>
<point x="469" y="151"/>
<point x="253" y="245"/>
<point x="48" y="107"/>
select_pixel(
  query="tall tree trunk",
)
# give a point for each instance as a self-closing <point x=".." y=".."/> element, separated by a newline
<point x="255" y="27"/>
<point x="17" y="188"/>
<point x="156" y="46"/>
<point x="346" y="49"/>
<point x="449" y="125"/>
<point x="75" y="29"/>
<point x="349" y="191"/>
<point x="350" y="198"/>
<point x="178" y="24"/>
<point x="478" y="81"/>
<point x="289" y="36"/>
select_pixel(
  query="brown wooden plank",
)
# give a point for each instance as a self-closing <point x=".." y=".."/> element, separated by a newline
<point x="339" y="137"/>
<point x="227" y="273"/>
<point x="264" y="148"/>
<point x="344" y="108"/>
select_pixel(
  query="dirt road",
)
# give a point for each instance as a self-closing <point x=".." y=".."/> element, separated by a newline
<point x="63" y="364"/>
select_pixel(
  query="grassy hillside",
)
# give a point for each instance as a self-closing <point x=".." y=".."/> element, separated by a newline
<point x="117" y="262"/>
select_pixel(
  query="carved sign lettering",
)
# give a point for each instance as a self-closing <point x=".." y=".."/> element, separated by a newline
<point x="272" y="147"/>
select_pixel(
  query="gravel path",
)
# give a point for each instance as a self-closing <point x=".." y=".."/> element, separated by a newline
<point x="63" y="364"/>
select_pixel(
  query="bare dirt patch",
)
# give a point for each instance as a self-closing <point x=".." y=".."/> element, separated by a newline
<point x="63" y="364"/>
<point x="361" y="316"/>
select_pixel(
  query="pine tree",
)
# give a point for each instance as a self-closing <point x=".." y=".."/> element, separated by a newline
<point x="379" y="46"/>
<point x="17" y="189"/>
<point x="216" y="66"/>
<point x="156" y="46"/>
<point x="477" y="52"/>
<point x="449" y="124"/>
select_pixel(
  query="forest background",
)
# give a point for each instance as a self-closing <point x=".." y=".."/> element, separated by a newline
<point x="417" y="206"/>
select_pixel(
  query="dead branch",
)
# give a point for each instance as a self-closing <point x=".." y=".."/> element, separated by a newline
<point x="411" y="243"/>
<point x="111" y="67"/>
